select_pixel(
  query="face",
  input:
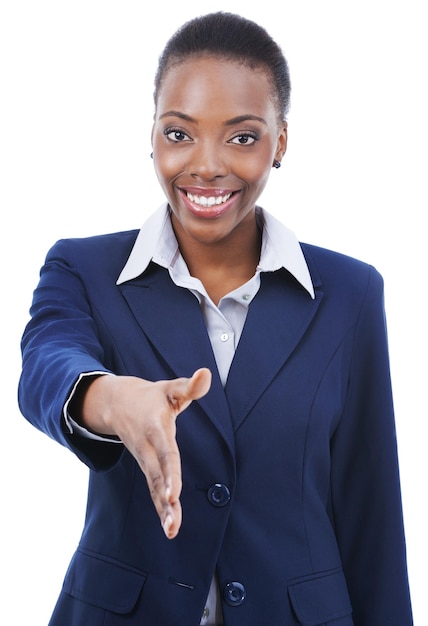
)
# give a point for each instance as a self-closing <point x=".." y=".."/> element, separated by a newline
<point x="215" y="137"/>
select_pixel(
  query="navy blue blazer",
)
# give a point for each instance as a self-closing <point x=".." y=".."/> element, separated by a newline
<point x="290" y="476"/>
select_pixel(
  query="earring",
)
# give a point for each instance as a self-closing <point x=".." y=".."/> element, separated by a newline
<point x="277" y="164"/>
<point x="151" y="155"/>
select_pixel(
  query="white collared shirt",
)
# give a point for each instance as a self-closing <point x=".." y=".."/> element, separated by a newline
<point x="156" y="242"/>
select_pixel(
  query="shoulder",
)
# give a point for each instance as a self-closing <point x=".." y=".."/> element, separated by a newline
<point x="331" y="267"/>
<point x="348" y="285"/>
<point x="100" y="243"/>
<point x="106" y="253"/>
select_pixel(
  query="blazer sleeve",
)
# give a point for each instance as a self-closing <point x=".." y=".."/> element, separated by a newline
<point x="60" y="342"/>
<point x="365" y="485"/>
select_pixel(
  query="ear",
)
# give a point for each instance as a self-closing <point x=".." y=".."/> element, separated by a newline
<point x="281" y="147"/>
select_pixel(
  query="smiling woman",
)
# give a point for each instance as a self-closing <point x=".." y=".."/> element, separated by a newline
<point x="227" y="386"/>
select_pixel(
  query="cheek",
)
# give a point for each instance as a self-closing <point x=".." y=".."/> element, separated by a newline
<point x="167" y="163"/>
<point x="256" y="168"/>
<point x="255" y="172"/>
<point x="165" y="159"/>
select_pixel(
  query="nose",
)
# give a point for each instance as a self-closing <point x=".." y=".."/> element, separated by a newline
<point x="208" y="161"/>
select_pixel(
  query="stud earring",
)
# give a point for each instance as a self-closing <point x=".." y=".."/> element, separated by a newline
<point x="277" y="164"/>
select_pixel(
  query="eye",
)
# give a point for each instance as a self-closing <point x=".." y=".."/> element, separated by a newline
<point x="176" y="135"/>
<point x="244" y="139"/>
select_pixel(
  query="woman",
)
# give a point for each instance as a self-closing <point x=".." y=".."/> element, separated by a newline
<point x="219" y="377"/>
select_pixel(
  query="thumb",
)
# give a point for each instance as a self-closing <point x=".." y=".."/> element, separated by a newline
<point x="181" y="392"/>
<point x="199" y="384"/>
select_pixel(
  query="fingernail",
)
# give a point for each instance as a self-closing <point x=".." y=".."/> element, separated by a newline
<point x="167" y="493"/>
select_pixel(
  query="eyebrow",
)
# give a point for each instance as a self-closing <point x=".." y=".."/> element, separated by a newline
<point x="244" y="118"/>
<point x="183" y="116"/>
<point x="235" y="120"/>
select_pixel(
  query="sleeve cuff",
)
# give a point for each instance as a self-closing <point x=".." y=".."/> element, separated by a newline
<point x="75" y="428"/>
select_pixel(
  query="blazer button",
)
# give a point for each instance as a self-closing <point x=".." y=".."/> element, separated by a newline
<point x="218" y="495"/>
<point x="234" y="594"/>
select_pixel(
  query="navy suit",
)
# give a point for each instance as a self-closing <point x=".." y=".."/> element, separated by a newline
<point x="290" y="475"/>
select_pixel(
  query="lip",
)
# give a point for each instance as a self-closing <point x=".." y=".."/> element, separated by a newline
<point x="208" y="212"/>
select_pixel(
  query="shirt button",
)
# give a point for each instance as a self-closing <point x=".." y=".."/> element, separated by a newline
<point x="246" y="296"/>
<point x="205" y="615"/>
<point x="224" y="337"/>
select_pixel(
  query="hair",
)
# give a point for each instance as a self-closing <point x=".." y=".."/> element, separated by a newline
<point x="230" y="37"/>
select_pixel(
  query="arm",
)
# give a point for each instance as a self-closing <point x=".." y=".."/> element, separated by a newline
<point x="61" y="342"/>
<point x="365" y="479"/>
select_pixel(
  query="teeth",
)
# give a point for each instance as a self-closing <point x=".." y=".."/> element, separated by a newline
<point x="208" y="201"/>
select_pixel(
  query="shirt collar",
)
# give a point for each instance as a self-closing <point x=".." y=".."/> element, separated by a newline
<point x="156" y="242"/>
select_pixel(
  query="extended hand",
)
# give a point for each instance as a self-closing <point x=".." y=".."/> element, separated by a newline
<point x="143" y="415"/>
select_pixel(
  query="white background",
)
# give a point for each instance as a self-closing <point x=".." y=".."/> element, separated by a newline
<point x="76" y="108"/>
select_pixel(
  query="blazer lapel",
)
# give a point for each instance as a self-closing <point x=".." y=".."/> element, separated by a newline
<point x="276" y="321"/>
<point x="171" y="318"/>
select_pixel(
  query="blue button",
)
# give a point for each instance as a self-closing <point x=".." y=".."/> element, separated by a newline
<point x="234" y="594"/>
<point x="218" y="495"/>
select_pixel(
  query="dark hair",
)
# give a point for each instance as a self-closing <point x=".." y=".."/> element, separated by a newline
<point x="230" y="37"/>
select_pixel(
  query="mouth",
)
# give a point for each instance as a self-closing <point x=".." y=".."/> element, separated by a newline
<point x="208" y="201"/>
<point x="212" y="203"/>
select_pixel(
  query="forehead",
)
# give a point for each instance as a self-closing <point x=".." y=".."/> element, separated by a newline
<point x="207" y="82"/>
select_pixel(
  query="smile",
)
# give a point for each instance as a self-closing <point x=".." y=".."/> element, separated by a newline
<point x="208" y="201"/>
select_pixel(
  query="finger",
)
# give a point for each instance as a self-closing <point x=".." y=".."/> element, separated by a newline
<point x="172" y="520"/>
<point x="163" y="475"/>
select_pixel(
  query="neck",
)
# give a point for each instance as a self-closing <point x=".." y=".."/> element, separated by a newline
<point x="222" y="265"/>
